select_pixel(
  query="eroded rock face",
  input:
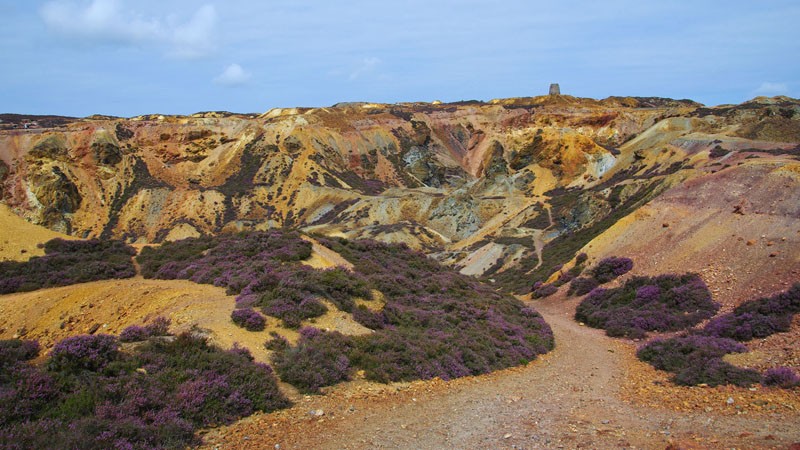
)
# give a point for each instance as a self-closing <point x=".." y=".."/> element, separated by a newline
<point x="122" y="132"/>
<point x="4" y="171"/>
<point x="53" y="146"/>
<point x="494" y="163"/>
<point x="447" y="178"/>
<point x="107" y="153"/>
<point x="54" y="189"/>
<point x="58" y="197"/>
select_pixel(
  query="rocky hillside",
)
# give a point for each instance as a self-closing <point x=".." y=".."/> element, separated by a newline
<point x="506" y="189"/>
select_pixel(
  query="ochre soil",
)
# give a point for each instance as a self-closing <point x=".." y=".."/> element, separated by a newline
<point x="19" y="240"/>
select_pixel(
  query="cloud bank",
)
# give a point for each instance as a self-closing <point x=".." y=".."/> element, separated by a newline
<point x="770" y="89"/>
<point x="366" y="66"/>
<point x="233" y="75"/>
<point x="112" y="22"/>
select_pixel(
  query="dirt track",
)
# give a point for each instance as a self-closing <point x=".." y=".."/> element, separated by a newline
<point x="568" y="399"/>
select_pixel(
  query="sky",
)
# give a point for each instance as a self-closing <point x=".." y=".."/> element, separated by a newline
<point x="132" y="57"/>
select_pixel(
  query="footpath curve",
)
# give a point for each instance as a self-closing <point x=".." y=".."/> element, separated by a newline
<point x="569" y="398"/>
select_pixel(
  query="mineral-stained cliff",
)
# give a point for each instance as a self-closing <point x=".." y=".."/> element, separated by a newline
<point x="491" y="187"/>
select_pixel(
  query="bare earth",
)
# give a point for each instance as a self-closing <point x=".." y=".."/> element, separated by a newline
<point x="574" y="397"/>
<point x="19" y="240"/>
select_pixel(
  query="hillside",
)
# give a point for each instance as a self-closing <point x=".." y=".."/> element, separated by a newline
<point x="295" y="216"/>
<point x="474" y="183"/>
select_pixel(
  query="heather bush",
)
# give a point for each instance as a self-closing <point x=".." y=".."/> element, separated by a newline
<point x="400" y="353"/>
<point x="290" y="305"/>
<point x="544" y="290"/>
<point x="582" y="286"/>
<point x="747" y="326"/>
<point x="261" y="267"/>
<point x="573" y="272"/>
<point x="783" y="377"/>
<point x="642" y="304"/>
<point x="223" y="258"/>
<point x="83" y="352"/>
<point x="248" y="319"/>
<point x="158" y="327"/>
<point x="696" y="359"/>
<point x="165" y="261"/>
<point x="374" y="320"/>
<point x="435" y="322"/>
<point x="605" y="270"/>
<point x="471" y="341"/>
<point x="758" y="318"/>
<point x="715" y="372"/>
<point x="13" y="351"/>
<point x="89" y="395"/>
<point x="319" y="359"/>
<point x="244" y="352"/>
<point x="187" y="356"/>
<point x="566" y="277"/>
<point x="68" y="262"/>
<point x="581" y="259"/>
<point x="24" y="392"/>
<point x="675" y="354"/>
<point x="609" y="268"/>
<point x="210" y="400"/>
<point x="393" y="269"/>
<point x="340" y="286"/>
<point x="135" y="333"/>
<point x="276" y="342"/>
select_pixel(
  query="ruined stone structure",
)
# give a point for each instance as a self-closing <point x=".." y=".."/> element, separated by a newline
<point x="555" y="89"/>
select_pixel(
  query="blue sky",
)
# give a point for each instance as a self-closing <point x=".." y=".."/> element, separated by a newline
<point x="130" y="57"/>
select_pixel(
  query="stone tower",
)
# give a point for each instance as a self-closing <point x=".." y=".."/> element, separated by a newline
<point x="555" y="89"/>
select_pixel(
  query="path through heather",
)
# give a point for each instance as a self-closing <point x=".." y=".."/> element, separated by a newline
<point x="568" y="399"/>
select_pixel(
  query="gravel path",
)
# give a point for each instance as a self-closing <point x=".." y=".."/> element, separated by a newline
<point x="568" y="399"/>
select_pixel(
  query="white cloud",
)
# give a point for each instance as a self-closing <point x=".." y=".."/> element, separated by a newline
<point x="367" y="66"/>
<point x="233" y="75"/>
<point x="770" y="89"/>
<point x="102" y="19"/>
<point x="195" y="38"/>
<point x="110" y="21"/>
